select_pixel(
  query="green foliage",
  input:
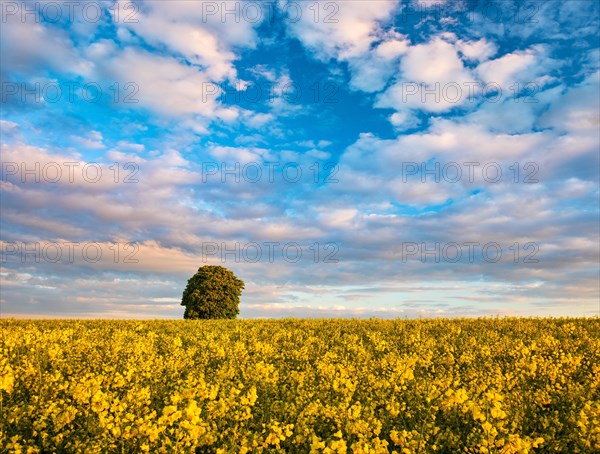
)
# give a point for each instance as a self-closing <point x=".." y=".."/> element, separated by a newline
<point x="213" y="292"/>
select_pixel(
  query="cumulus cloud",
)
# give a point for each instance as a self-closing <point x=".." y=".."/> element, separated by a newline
<point x="576" y="110"/>
<point x="352" y="32"/>
<point x="8" y="128"/>
<point x="93" y="141"/>
<point x="344" y="30"/>
<point x="30" y="47"/>
<point x="524" y="67"/>
<point x="182" y="83"/>
<point x="163" y="85"/>
<point x="204" y="33"/>
<point x="376" y="165"/>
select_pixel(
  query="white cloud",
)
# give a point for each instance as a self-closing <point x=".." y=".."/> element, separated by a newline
<point x="8" y="127"/>
<point x="433" y="78"/>
<point x="164" y="85"/>
<point x="240" y="155"/>
<point x="342" y="217"/>
<point x="353" y="31"/>
<point x="258" y="120"/>
<point x="392" y="48"/>
<point x="344" y="30"/>
<point x="530" y="66"/>
<point x="318" y="154"/>
<point x="477" y="51"/>
<point x="129" y="146"/>
<point x="93" y="140"/>
<point x="404" y="120"/>
<point x="30" y="48"/>
<point x="435" y="61"/>
<point x="199" y="31"/>
<point x="577" y="109"/>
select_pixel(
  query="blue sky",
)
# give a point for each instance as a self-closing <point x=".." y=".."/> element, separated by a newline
<point x="343" y="158"/>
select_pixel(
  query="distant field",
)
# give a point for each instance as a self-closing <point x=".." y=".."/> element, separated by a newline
<point x="370" y="386"/>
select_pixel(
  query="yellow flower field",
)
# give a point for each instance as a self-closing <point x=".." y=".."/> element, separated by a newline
<point x="332" y="386"/>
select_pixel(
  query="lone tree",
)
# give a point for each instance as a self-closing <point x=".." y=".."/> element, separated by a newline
<point x="213" y="292"/>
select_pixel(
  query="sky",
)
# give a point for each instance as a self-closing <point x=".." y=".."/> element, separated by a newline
<point x="356" y="158"/>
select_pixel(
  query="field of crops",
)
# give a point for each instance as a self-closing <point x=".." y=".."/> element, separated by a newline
<point x="471" y="385"/>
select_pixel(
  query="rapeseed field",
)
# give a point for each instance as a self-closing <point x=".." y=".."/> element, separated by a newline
<point x="503" y="385"/>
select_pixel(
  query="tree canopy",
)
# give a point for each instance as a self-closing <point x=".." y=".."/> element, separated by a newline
<point x="212" y="293"/>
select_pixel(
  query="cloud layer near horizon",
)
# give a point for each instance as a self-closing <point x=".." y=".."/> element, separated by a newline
<point x="355" y="159"/>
